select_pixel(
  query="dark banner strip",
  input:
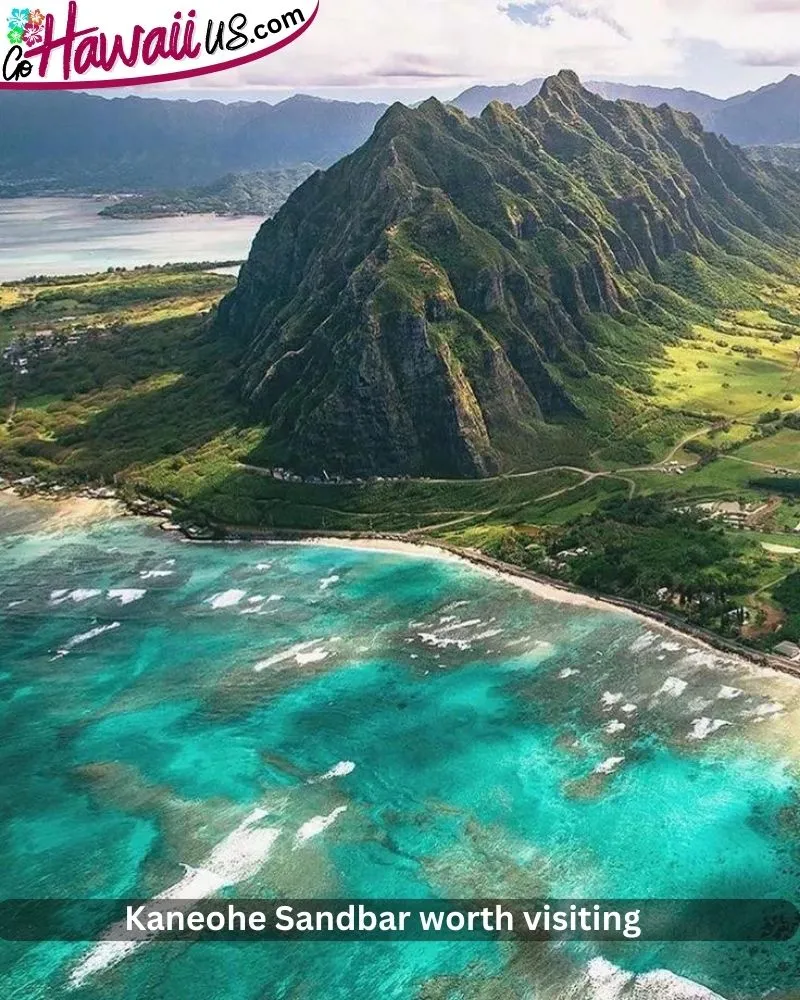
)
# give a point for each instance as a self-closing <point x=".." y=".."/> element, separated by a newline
<point x="399" y="920"/>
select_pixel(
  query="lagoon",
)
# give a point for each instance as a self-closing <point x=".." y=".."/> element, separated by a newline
<point x="54" y="236"/>
<point x="293" y="721"/>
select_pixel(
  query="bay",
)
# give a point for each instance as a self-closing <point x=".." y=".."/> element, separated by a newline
<point x="54" y="236"/>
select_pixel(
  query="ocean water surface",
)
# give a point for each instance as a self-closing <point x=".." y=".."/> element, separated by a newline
<point x="67" y="236"/>
<point x="303" y="720"/>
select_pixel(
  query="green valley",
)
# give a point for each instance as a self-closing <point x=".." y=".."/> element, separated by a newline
<point x="137" y="394"/>
<point x="567" y="337"/>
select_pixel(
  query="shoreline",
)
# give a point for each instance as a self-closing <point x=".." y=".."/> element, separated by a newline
<point x="542" y="587"/>
<point x="86" y="509"/>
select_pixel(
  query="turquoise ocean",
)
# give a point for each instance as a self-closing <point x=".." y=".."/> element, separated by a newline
<point x="276" y="720"/>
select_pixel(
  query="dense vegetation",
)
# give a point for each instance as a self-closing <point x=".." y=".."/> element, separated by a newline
<point x="80" y="142"/>
<point x="646" y="550"/>
<point x="519" y="293"/>
<point x="462" y="297"/>
<point x="126" y="375"/>
<point x="132" y="387"/>
<point x="259" y="193"/>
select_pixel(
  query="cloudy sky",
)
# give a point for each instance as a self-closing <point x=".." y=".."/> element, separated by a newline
<point x="406" y="49"/>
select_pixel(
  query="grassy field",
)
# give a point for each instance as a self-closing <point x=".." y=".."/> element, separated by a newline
<point x="721" y="373"/>
<point x="781" y="449"/>
<point x="119" y="378"/>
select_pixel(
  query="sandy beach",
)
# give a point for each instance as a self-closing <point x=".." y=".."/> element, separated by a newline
<point x="80" y="511"/>
<point x="758" y="665"/>
<point x="540" y="589"/>
<point x="71" y="512"/>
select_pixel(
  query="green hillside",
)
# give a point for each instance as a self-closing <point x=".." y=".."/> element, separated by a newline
<point x="257" y="193"/>
<point x="567" y="336"/>
<point x="463" y="297"/>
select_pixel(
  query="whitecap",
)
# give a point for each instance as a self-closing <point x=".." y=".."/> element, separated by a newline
<point x="443" y="642"/>
<point x="328" y="581"/>
<point x="263" y="567"/>
<point x="301" y="652"/>
<point x="78" y="596"/>
<point x="313" y="656"/>
<point x="702" y="658"/>
<point x="673" y="686"/>
<point x="615" y="726"/>
<point x="766" y="710"/>
<point x="340" y="770"/>
<point x="316" y="825"/>
<point x="729" y="693"/>
<point x="155" y="574"/>
<point x="79" y="640"/>
<point x="630" y="708"/>
<point x="609" y="700"/>
<point x="462" y="625"/>
<point x="227" y="599"/>
<point x="274" y="597"/>
<point x="567" y="672"/>
<point x="643" y="642"/>
<point x="705" y="727"/>
<point x="238" y="857"/>
<point x="605" y="981"/>
<point x="126" y="596"/>
<point x="609" y="765"/>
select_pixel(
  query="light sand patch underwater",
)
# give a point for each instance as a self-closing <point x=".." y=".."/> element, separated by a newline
<point x="415" y="727"/>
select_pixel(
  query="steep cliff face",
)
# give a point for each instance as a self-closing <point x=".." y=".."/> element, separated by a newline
<point x="428" y="305"/>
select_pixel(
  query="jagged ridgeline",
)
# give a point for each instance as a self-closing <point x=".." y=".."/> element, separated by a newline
<point x="466" y="295"/>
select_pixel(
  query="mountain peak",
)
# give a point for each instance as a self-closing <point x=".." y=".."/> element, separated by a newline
<point x="566" y="81"/>
<point x="450" y="309"/>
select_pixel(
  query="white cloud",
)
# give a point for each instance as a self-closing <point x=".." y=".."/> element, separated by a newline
<point x="453" y="43"/>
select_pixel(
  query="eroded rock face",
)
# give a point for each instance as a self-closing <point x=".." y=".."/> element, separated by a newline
<point x="428" y="305"/>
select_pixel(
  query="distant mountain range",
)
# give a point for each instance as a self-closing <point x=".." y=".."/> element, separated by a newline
<point x="474" y="100"/>
<point x="82" y="142"/>
<point x="462" y="296"/>
<point x="769" y="116"/>
<point x="79" y="142"/>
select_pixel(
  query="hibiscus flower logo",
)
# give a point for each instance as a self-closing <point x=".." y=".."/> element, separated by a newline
<point x="17" y="22"/>
<point x="26" y="25"/>
<point x="33" y="34"/>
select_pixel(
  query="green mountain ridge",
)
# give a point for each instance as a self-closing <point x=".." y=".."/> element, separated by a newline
<point x="768" y="116"/>
<point x="78" y="142"/>
<point x="82" y="142"/>
<point x="465" y="296"/>
<point x="473" y="100"/>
